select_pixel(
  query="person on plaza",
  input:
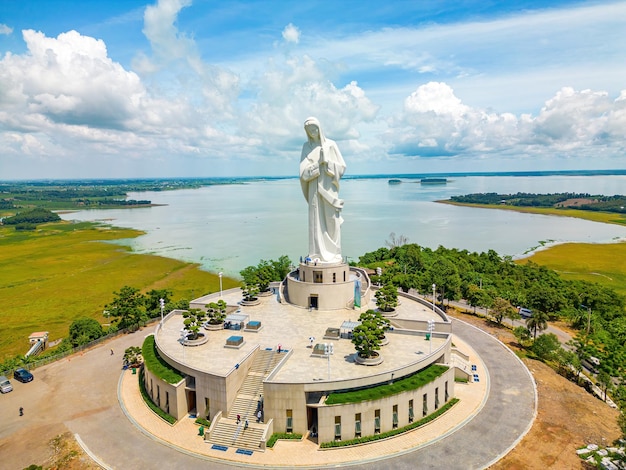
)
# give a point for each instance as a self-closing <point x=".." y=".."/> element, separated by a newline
<point x="259" y="415"/>
<point x="245" y="426"/>
<point x="238" y="419"/>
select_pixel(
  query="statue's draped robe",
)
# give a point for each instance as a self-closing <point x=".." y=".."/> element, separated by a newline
<point x="320" y="185"/>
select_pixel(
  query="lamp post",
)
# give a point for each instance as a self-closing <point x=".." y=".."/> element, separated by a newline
<point x="220" y="274"/>
<point x="328" y="350"/>
<point x="434" y="288"/>
<point x="162" y="303"/>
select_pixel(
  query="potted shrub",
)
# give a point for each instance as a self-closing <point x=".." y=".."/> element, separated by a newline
<point x="368" y="337"/>
<point x="193" y="319"/>
<point x="387" y="298"/>
<point x="216" y="314"/>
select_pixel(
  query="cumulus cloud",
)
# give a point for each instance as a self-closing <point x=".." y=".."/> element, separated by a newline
<point x="434" y="122"/>
<point x="4" y="29"/>
<point x="289" y="93"/>
<point x="291" y="34"/>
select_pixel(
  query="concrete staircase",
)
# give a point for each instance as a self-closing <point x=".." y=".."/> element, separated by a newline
<point x="227" y="432"/>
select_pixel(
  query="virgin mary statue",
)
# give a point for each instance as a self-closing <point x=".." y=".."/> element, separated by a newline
<point x="321" y="167"/>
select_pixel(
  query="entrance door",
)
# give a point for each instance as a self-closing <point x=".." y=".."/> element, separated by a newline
<point x="311" y="416"/>
<point x="191" y="400"/>
<point x="313" y="301"/>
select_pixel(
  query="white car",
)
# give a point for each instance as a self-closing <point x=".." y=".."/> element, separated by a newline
<point x="5" y="385"/>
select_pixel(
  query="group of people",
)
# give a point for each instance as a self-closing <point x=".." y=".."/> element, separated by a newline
<point x="258" y="413"/>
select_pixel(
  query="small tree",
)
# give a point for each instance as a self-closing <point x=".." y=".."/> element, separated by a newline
<point x="546" y="346"/>
<point x="500" y="309"/>
<point x="522" y="335"/>
<point x="84" y="330"/>
<point x="216" y="312"/>
<point x="128" y="308"/>
<point x="193" y="320"/>
<point x="367" y="336"/>
<point x="387" y="298"/>
<point x="538" y="321"/>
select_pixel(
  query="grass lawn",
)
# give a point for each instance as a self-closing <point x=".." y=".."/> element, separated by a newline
<point x="63" y="271"/>
<point x="601" y="263"/>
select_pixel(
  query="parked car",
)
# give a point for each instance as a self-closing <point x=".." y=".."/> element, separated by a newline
<point x="23" y="375"/>
<point x="5" y="385"/>
<point x="525" y="312"/>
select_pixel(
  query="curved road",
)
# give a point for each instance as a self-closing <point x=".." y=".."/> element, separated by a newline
<point x="80" y="395"/>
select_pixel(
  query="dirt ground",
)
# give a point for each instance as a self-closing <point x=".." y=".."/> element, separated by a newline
<point x="567" y="417"/>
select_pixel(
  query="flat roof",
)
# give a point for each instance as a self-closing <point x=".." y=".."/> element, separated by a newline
<point x="292" y="327"/>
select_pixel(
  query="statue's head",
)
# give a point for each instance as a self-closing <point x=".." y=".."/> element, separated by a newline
<point x="313" y="130"/>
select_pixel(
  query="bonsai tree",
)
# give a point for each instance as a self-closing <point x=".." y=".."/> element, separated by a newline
<point x="193" y="320"/>
<point x="132" y="356"/>
<point x="216" y="312"/>
<point x="387" y="298"/>
<point x="250" y="284"/>
<point x="367" y="337"/>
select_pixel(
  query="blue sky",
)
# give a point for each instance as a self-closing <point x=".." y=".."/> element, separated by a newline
<point x="122" y="89"/>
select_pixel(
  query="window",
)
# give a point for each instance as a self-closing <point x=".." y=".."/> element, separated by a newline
<point x="317" y="277"/>
<point x="167" y="402"/>
<point x="411" y="413"/>
<point x="395" y="416"/>
<point x="151" y="390"/>
<point x="357" y="425"/>
<point x="289" y="426"/>
<point x="337" y="428"/>
<point x="303" y="275"/>
<point x="425" y="404"/>
<point x="207" y="408"/>
<point x="376" y="421"/>
<point x="437" y="398"/>
<point x="334" y="277"/>
<point x="158" y="398"/>
<point x="446" y="393"/>
<point x="344" y="276"/>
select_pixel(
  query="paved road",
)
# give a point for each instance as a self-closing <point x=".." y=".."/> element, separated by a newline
<point x="80" y="395"/>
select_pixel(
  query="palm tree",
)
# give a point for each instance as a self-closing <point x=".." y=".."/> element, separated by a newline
<point x="538" y="321"/>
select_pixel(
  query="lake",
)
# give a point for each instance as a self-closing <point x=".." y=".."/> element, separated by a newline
<point x="228" y="227"/>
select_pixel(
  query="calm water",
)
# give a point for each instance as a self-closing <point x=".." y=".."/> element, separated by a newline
<point x="226" y="228"/>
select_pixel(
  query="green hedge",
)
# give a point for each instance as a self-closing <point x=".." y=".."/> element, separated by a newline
<point x="393" y="432"/>
<point x="203" y="422"/>
<point x="413" y="382"/>
<point x="282" y="435"/>
<point x="156" y="364"/>
<point x="153" y="406"/>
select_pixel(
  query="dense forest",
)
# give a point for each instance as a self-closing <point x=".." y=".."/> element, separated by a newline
<point x="487" y="280"/>
<point x="582" y="201"/>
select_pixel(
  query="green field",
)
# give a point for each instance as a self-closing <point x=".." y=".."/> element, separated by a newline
<point x="592" y="262"/>
<point x="63" y="271"/>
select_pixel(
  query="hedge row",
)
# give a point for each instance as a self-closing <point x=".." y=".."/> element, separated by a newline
<point x="282" y="435"/>
<point x="156" y="364"/>
<point x="144" y="393"/>
<point x="412" y="382"/>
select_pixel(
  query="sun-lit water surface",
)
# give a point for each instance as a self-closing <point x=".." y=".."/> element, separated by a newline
<point x="228" y="227"/>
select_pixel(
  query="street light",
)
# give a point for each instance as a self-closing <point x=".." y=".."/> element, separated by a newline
<point x="431" y="328"/>
<point x="162" y="303"/>
<point x="220" y="275"/>
<point x="328" y="350"/>
<point x="434" y="287"/>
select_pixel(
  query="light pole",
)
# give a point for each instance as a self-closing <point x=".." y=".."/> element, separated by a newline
<point x="328" y="350"/>
<point x="434" y="288"/>
<point x="220" y="275"/>
<point x="162" y="303"/>
<point x="431" y="328"/>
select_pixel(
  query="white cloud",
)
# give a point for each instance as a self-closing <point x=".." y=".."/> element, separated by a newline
<point x="4" y="29"/>
<point x="435" y="122"/>
<point x="291" y="34"/>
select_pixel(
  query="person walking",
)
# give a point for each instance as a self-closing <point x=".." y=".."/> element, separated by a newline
<point x="238" y="419"/>
<point x="259" y="415"/>
<point x="21" y="411"/>
<point x="245" y="426"/>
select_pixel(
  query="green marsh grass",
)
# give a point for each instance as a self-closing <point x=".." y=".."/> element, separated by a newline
<point x="63" y="271"/>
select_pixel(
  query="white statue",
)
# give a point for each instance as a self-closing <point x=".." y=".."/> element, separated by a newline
<point x="321" y="167"/>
